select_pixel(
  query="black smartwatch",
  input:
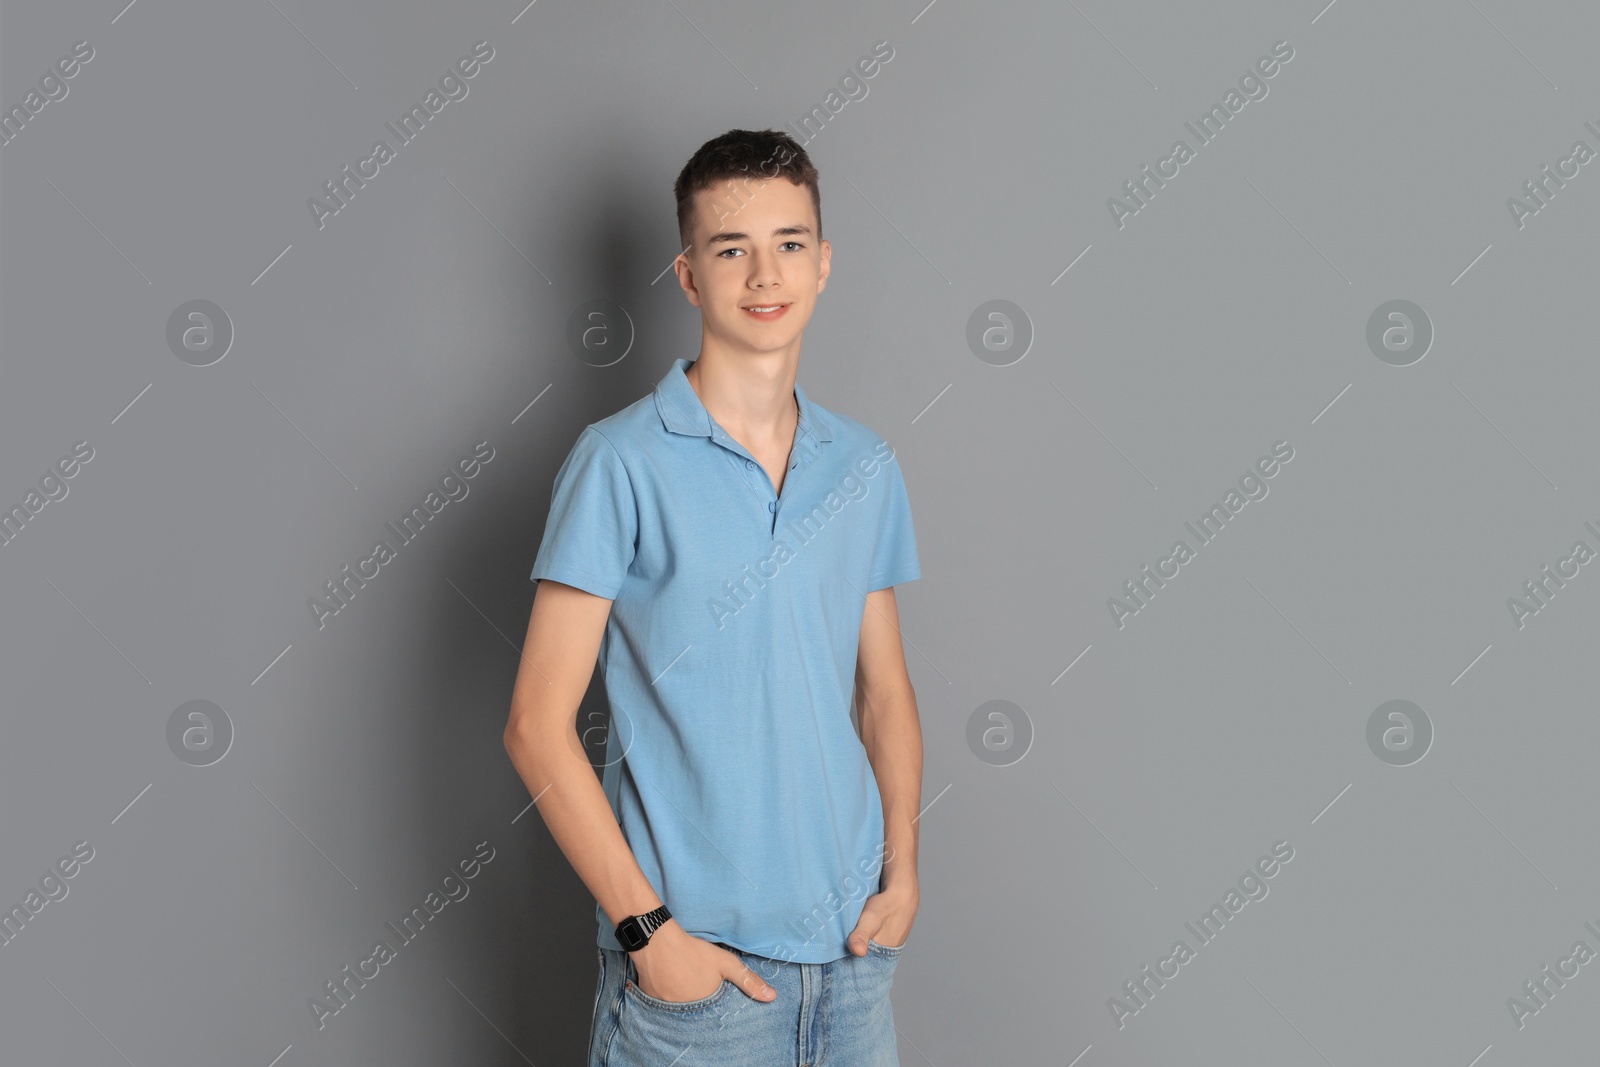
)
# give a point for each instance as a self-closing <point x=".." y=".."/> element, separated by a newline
<point x="633" y="933"/>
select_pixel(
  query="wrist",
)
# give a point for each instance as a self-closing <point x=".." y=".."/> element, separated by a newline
<point x="667" y="935"/>
<point x="643" y="904"/>
<point x="899" y="870"/>
<point x="901" y="883"/>
<point x="900" y="861"/>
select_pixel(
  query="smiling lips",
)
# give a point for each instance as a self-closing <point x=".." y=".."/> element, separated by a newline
<point x="766" y="312"/>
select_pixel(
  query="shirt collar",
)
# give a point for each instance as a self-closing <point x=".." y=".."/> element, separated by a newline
<point x="682" y="412"/>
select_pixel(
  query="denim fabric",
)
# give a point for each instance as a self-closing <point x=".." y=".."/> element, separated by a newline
<point x="834" y="1014"/>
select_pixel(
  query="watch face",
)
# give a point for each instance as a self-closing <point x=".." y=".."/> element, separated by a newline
<point x="629" y="934"/>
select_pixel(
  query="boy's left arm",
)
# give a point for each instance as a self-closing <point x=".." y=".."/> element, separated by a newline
<point x="892" y="736"/>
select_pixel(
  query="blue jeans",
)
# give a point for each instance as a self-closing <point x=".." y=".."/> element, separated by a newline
<point x="834" y="1014"/>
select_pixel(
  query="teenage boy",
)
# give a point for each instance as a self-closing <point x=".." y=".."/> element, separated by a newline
<point x="727" y="550"/>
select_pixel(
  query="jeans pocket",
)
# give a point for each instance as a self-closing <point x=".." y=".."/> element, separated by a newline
<point x="890" y="952"/>
<point x="678" y="1007"/>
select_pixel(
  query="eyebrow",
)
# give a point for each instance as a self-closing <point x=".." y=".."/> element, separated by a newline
<point x="730" y="236"/>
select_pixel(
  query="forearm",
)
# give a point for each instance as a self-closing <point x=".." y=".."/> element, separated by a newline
<point x="892" y="735"/>
<point x="574" y="807"/>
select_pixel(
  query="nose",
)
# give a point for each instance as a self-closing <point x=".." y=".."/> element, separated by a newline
<point x="764" y="271"/>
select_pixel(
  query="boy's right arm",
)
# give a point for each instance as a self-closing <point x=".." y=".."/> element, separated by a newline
<point x="558" y="658"/>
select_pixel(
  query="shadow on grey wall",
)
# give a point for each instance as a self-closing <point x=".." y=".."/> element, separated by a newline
<point x="529" y="944"/>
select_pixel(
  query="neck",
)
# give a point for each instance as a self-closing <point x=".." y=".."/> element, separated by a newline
<point x="752" y="399"/>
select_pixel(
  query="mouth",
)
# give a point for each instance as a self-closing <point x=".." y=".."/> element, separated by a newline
<point x="766" y="312"/>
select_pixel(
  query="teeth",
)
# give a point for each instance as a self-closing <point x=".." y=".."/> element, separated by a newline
<point x="774" y="307"/>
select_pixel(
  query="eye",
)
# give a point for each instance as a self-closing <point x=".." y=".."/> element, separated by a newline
<point x="796" y="244"/>
<point x="724" y="253"/>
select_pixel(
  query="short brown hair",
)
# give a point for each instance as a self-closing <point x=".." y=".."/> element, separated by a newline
<point x="748" y="154"/>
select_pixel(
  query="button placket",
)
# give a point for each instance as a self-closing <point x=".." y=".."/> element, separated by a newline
<point x="806" y="449"/>
<point x="802" y="452"/>
<point x="753" y="473"/>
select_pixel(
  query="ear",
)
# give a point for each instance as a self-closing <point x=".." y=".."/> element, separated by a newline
<point x="684" y="267"/>
<point x="826" y="248"/>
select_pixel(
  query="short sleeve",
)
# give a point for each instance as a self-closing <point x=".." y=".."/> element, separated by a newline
<point x="593" y="525"/>
<point x="894" y="560"/>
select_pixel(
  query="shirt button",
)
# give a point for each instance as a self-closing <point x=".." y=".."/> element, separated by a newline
<point x="750" y="463"/>
<point x="772" y="505"/>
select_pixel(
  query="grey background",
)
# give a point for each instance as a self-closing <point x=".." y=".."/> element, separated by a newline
<point x="1229" y="314"/>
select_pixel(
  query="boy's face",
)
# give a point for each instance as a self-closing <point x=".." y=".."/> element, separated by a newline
<point x="755" y="246"/>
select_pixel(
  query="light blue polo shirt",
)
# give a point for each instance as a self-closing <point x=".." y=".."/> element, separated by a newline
<point x="732" y="763"/>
